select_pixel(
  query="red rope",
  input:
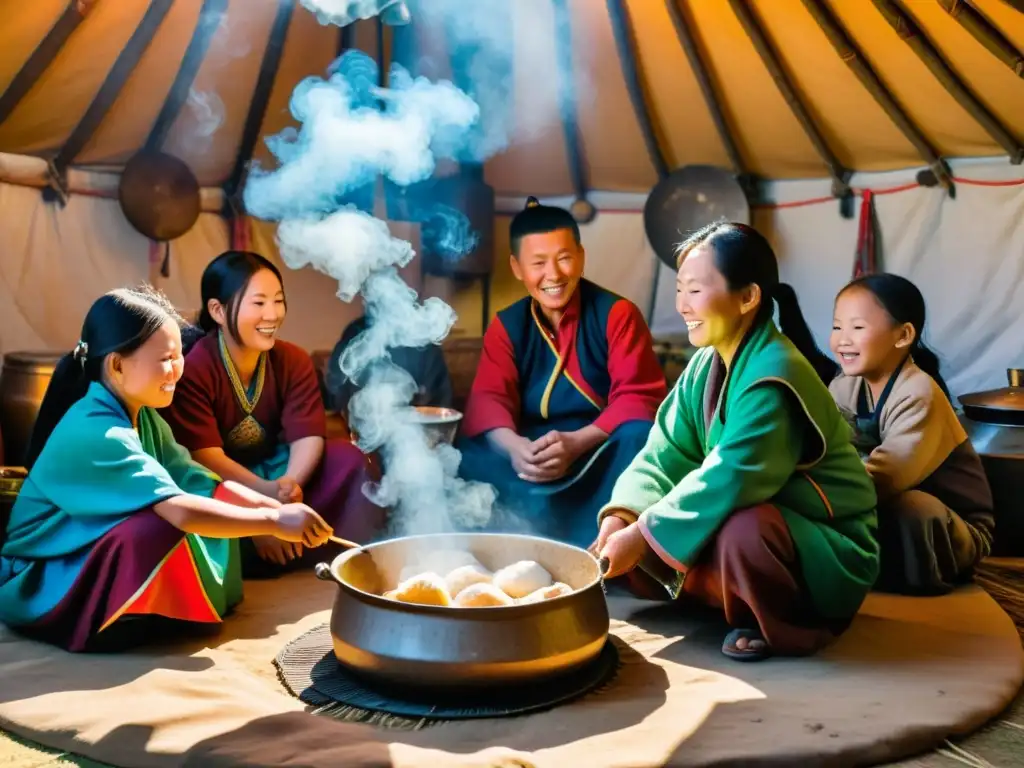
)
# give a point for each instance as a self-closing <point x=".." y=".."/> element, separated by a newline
<point x="891" y="190"/>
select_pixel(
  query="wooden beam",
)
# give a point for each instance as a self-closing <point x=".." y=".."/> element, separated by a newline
<point x="108" y="93"/>
<point x="625" y="43"/>
<point x="682" y="20"/>
<point x="260" y="98"/>
<point x="982" y="30"/>
<point x="43" y="56"/>
<point x="911" y="33"/>
<point x="851" y="54"/>
<point x="773" y="63"/>
<point x="567" y="99"/>
<point x="210" y="18"/>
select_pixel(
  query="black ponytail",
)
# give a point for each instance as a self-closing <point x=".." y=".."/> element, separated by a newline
<point x="793" y="324"/>
<point x="120" y="321"/>
<point x="904" y="303"/>
<point x="744" y="257"/>
<point x="928" y="362"/>
<point x="67" y="386"/>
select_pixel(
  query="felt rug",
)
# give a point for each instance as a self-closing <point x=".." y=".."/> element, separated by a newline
<point x="909" y="673"/>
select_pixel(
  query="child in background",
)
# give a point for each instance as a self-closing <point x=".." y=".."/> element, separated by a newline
<point x="935" y="504"/>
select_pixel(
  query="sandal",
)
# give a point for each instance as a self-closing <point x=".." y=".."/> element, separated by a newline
<point x="747" y="654"/>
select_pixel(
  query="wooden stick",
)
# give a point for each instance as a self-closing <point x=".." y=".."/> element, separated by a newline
<point x="851" y="54"/>
<point x="345" y="543"/>
<point x="773" y="63"/>
<point x="982" y="30"/>
<point x="911" y="33"/>
<point x="683" y="22"/>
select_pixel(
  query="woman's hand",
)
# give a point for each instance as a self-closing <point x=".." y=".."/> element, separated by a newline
<point x="274" y="550"/>
<point x="609" y="525"/>
<point x="288" y="491"/>
<point x="624" y="550"/>
<point x="301" y="524"/>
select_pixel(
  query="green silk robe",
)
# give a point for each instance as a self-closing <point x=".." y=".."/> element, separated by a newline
<point x="772" y="435"/>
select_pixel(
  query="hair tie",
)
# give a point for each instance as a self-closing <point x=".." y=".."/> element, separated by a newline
<point x="532" y="202"/>
<point x="81" y="352"/>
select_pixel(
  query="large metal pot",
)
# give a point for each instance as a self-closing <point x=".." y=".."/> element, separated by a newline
<point x="403" y="644"/>
<point x="994" y="422"/>
<point x="23" y="382"/>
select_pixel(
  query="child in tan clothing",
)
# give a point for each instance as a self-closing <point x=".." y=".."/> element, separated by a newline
<point x="935" y="504"/>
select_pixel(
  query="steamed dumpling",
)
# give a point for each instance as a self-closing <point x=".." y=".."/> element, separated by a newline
<point x="466" y="576"/>
<point x="522" y="578"/>
<point x="547" y="593"/>
<point x="482" y="595"/>
<point x="444" y="561"/>
<point x="448" y="560"/>
<point x="425" y="589"/>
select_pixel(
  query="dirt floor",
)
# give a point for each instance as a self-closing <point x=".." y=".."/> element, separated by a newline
<point x="1000" y="744"/>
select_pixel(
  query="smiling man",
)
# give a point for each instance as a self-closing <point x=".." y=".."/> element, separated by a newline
<point x="567" y="387"/>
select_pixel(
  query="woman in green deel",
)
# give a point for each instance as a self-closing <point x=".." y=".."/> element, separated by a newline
<point x="749" y="495"/>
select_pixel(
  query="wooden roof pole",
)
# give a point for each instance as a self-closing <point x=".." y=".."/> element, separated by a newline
<point x="848" y="51"/>
<point x="104" y="99"/>
<point x="567" y="100"/>
<point x="912" y="34"/>
<point x="982" y="30"/>
<point x="683" y="22"/>
<point x="625" y="42"/>
<point x="210" y="17"/>
<point x="43" y="55"/>
<point x="260" y="99"/>
<point x="773" y="63"/>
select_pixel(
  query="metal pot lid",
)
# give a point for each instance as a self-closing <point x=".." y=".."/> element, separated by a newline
<point x="998" y="406"/>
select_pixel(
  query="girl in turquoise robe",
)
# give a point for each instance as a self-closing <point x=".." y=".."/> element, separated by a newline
<point x="116" y="529"/>
<point x="748" y="495"/>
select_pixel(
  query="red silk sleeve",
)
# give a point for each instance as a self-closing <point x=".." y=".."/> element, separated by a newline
<point x="637" y="381"/>
<point x="302" y="413"/>
<point x="192" y="414"/>
<point x="493" y="400"/>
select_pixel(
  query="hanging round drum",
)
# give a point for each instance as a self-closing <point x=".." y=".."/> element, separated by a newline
<point x="159" y="195"/>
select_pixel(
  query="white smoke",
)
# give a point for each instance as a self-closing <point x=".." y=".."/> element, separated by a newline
<point x="208" y="111"/>
<point x="341" y="13"/>
<point x="347" y="138"/>
<point x="351" y="131"/>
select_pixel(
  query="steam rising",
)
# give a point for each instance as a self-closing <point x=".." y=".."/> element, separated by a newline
<point x="351" y="131"/>
<point x="344" y="12"/>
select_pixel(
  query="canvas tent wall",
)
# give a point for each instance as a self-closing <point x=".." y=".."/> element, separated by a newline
<point x="967" y="253"/>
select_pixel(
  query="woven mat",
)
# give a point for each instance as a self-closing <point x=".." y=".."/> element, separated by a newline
<point x="909" y="674"/>
<point x="310" y="671"/>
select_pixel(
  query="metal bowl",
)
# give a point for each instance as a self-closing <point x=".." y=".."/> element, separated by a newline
<point x="409" y="645"/>
<point x="440" y="424"/>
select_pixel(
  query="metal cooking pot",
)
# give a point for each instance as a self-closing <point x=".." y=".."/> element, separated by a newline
<point x="392" y="643"/>
<point x="994" y="422"/>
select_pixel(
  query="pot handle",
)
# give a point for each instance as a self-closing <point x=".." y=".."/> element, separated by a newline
<point x="324" y="573"/>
